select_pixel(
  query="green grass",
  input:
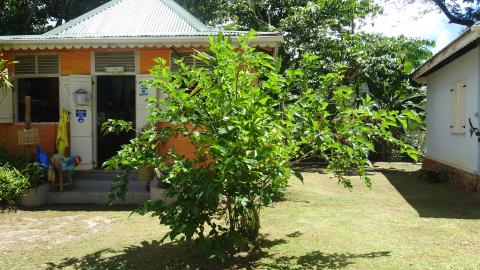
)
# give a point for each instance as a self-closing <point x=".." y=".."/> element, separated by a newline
<point x="402" y="223"/>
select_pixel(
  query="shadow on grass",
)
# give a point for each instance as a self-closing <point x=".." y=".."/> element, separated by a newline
<point x="81" y="208"/>
<point x="434" y="199"/>
<point x="179" y="255"/>
<point x="319" y="260"/>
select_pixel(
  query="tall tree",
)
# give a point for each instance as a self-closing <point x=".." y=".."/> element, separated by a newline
<point x="24" y="17"/>
<point x="464" y="12"/>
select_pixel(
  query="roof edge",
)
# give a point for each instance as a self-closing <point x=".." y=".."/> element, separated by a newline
<point x="123" y="42"/>
<point x="446" y="54"/>
<point x="186" y="15"/>
<point x="59" y="29"/>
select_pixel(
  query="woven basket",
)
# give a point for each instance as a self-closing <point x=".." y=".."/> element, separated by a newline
<point x="28" y="137"/>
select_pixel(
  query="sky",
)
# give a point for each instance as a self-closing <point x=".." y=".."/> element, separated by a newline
<point x="415" y="20"/>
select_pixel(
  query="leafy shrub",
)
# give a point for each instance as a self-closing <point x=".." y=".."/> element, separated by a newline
<point x="13" y="184"/>
<point x="247" y="122"/>
<point x="32" y="171"/>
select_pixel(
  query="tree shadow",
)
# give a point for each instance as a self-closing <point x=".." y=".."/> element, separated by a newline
<point x="80" y="208"/>
<point x="182" y="255"/>
<point x="433" y="199"/>
<point x="319" y="260"/>
<point x="155" y="255"/>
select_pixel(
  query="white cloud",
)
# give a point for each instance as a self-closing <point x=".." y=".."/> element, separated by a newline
<point x="413" y="20"/>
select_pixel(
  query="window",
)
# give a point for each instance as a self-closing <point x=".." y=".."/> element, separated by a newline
<point x="45" y="98"/>
<point x="458" y="112"/>
<point x="187" y="58"/>
<point x="41" y="64"/>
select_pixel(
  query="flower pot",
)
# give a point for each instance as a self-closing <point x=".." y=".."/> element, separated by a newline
<point x="159" y="194"/>
<point x="36" y="197"/>
<point x="145" y="174"/>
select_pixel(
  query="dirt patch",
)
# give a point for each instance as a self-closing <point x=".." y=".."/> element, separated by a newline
<point x="27" y="232"/>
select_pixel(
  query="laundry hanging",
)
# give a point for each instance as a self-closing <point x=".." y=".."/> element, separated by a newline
<point x="62" y="133"/>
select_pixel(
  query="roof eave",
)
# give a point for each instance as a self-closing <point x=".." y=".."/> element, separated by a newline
<point x="446" y="54"/>
<point x="124" y="42"/>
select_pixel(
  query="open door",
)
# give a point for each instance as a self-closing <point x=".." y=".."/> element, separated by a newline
<point x="143" y="93"/>
<point x="115" y="100"/>
<point x="81" y="119"/>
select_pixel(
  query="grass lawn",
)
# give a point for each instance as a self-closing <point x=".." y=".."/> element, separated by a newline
<point x="402" y="223"/>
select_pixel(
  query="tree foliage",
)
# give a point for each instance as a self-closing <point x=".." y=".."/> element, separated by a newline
<point x="464" y="12"/>
<point x="248" y="128"/>
<point x="23" y="17"/>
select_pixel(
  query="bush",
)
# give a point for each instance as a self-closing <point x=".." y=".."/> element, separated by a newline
<point x="247" y="122"/>
<point x="32" y="171"/>
<point x="13" y="184"/>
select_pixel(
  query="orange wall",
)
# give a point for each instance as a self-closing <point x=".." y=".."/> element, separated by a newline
<point x="8" y="137"/>
<point x="147" y="59"/>
<point x="78" y="63"/>
<point x="180" y="144"/>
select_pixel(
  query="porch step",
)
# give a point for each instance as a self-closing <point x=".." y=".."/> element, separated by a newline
<point x="92" y="187"/>
<point x="102" y="179"/>
<point x="96" y="195"/>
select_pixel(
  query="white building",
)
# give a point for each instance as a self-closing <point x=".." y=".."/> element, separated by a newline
<point x="452" y="78"/>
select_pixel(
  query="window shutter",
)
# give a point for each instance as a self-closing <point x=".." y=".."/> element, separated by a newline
<point x="48" y="64"/>
<point x="6" y="106"/>
<point x="25" y="65"/>
<point x="461" y="103"/>
<point x="115" y="59"/>
<point x="453" y="109"/>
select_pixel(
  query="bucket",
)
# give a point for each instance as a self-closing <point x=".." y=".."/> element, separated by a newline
<point x="145" y="174"/>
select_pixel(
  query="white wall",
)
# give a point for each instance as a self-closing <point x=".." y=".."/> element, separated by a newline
<point x="458" y="150"/>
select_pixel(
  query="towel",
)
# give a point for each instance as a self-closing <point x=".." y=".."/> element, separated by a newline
<point x="62" y="133"/>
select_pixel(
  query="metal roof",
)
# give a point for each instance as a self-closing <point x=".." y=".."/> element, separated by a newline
<point x="456" y="48"/>
<point x="131" y="23"/>
<point x="131" y="17"/>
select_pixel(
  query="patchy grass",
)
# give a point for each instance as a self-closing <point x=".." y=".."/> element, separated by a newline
<point x="402" y="223"/>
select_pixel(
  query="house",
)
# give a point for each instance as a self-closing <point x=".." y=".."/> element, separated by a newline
<point x="105" y="54"/>
<point x="452" y="77"/>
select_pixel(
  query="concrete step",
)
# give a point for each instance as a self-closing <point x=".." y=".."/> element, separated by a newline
<point x="97" y="195"/>
<point x="94" y="183"/>
<point x="102" y="179"/>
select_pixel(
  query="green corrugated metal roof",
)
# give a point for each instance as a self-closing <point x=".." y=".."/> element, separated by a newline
<point x="130" y="23"/>
<point x="132" y="17"/>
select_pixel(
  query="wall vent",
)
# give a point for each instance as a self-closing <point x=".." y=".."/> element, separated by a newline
<point x="122" y="60"/>
<point x="32" y="64"/>
<point x="188" y="59"/>
<point x="47" y="64"/>
<point x="25" y="65"/>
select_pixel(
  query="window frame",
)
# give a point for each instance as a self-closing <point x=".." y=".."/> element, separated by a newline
<point x="15" y="96"/>
<point x="32" y="76"/>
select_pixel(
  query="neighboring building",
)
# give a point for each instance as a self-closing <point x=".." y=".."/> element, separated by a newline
<point x="452" y="77"/>
<point x="106" y="52"/>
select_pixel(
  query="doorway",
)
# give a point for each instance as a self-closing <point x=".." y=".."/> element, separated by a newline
<point x="115" y="100"/>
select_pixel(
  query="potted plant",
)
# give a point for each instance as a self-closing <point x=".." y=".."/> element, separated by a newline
<point x="158" y="188"/>
<point x="145" y="173"/>
<point x="37" y="193"/>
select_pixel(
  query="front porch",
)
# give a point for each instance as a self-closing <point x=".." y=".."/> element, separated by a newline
<point x="92" y="187"/>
